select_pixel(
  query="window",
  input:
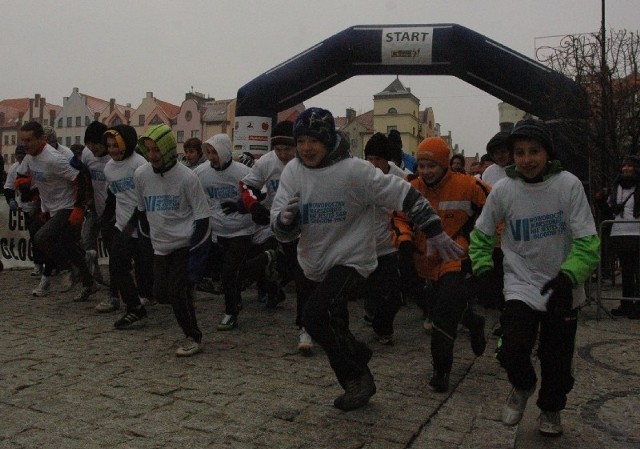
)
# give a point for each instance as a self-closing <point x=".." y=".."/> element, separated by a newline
<point x="60" y="124"/>
<point x="13" y="140"/>
<point x="141" y="120"/>
<point x="69" y="122"/>
<point x="188" y="116"/>
<point x="116" y="121"/>
<point x="392" y="111"/>
<point x="390" y="127"/>
<point x="45" y="122"/>
<point x="195" y="133"/>
<point x="180" y="136"/>
<point x="59" y="140"/>
<point x="6" y="139"/>
<point x="67" y="141"/>
<point x="78" y="121"/>
<point x="156" y="121"/>
<point x="77" y="139"/>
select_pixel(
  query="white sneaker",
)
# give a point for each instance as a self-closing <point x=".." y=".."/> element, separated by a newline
<point x="109" y="304"/>
<point x="514" y="408"/>
<point x="37" y="270"/>
<point x="189" y="347"/>
<point x="549" y="424"/>
<point x="305" y="344"/>
<point x="65" y="280"/>
<point x="43" y="287"/>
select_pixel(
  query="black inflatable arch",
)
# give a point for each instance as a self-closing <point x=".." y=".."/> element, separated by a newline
<point x="439" y="49"/>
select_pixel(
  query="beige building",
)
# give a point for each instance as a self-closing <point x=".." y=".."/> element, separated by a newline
<point x="153" y="112"/>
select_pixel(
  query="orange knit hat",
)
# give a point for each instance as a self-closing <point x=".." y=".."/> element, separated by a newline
<point x="434" y="149"/>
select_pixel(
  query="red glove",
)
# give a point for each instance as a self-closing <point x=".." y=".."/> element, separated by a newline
<point x="22" y="181"/>
<point x="77" y="216"/>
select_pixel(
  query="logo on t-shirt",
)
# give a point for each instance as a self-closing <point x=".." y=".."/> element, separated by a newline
<point x="539" y="227"/>
<point x="330" y="212"/>
<point x="159" y="203"/>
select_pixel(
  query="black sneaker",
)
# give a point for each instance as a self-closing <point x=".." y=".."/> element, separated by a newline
<point x="130" y="318"/>
<point x="478" y="339"/>
<point x="620" y="311"/>
<point x="357" y="393"/>
<point x="439" y="382"/>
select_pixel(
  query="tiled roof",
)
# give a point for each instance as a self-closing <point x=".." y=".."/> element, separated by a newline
<point x="95" y="104"/>
<point x="365" y="120"/>
<point x="216" y="111"/>
<point x="20" y="104"/>
<point x="171" y="110"/>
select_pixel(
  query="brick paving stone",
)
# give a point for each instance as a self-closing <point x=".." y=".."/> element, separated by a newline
<point x="70" y="380"/>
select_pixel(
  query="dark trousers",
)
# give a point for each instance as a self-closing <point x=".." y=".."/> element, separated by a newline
<point x="123" y="251"/>
<point x="171" y="286"/>
<point x="326" y="319"/>
<point x="235" y="250"/>
<point x="39" y="256"/>
<point x="58" y="240"/>
<point x="628" y="251"/>
<point x="382" y="295"/>
<point x="520" y="326"/>
<point x="491" y="294"/>
<point x="452" y="296"/>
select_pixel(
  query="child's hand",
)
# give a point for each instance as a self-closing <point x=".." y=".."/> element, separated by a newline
<point x="561" y="300"/>
<point x="291" y="211"/>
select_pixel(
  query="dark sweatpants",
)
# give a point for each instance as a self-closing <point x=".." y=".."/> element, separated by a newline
<point x="382" y="294"/>
<point x="520" y="326"/>
<point x="58" y="240"/>
<point x="122" y="252"/>
<point x="326" y="320"/>
<point x="171" y="286"/>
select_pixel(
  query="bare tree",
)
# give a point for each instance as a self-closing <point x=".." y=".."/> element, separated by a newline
<point x="613" y="89"/>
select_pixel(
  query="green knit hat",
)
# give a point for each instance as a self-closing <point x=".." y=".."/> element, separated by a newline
<point x="163" y="136"/>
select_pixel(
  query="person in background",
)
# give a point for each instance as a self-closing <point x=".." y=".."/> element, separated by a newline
<point x="457" y="163"/>
<point x="64" y="189"/>
<point x="458" y="200"/>
<point x="220" y="180"/>
<point x="337" y="245"/>
<point x="624" y="205"/>
<point x="400" y="158"/>
<point x="193" y="155"/>
<point x="485" y="162"/>
<point x="172" y="207"/>
<point x="501" y="156"/>
<point x="382" y="292"/>
<point x="550" y="247"/>
<point x="120" y="142"/>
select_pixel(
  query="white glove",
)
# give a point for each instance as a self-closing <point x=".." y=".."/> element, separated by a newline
<point x="448" y="249"/>
<point x="291" y="211"/>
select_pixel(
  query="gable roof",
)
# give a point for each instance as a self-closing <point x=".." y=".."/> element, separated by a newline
<point x="171" y="110"/>
<point x="365" y="120"/>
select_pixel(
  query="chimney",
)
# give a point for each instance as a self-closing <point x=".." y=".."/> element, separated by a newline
<point x="149" y="95"/>
<point x="112" y="104"/>
<point x="127" y="116"/>
<point x="351" y="115"/>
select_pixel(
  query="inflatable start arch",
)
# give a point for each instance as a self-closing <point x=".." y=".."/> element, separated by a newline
<point x="440" y="49"/>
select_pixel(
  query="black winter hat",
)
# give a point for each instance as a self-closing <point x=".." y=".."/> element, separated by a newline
<point x="94" y="132"/>
<point x="378" y="145"/>
<point x="497" y="141"/>
<point x="318" y="123"/>
<point x="533" y="129"/>
<point x="127" y="134"/>
<point x="282" y="134"/>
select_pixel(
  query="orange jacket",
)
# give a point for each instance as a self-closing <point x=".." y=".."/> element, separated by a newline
<point x="458" y="200"/>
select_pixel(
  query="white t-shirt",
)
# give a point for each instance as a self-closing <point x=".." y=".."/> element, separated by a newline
<point x="625" y="196"/>
<point x="541" y="221"/>
<point x="66" y="151"/>
<point x="98" y="180"/>
<point x="53" y="176"/>
<point x="220" y="187"/>
<point x="119" y="176"/>
<point x="266" y="173"/>
<point x="493" y="173"/>
<point x="12" y="174"/>
<point x="172" y="200"/>
<point x="337" y="212"/>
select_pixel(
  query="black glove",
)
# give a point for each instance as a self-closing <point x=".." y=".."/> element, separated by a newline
<point x="260" y="214"/>
<point x="561" y="300"/>
<point x="229" y="207"/>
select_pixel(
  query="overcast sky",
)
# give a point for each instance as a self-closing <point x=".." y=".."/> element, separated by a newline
<point x="122" y="49"/>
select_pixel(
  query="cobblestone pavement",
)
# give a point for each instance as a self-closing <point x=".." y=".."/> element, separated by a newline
<point x="69" y="380"/>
